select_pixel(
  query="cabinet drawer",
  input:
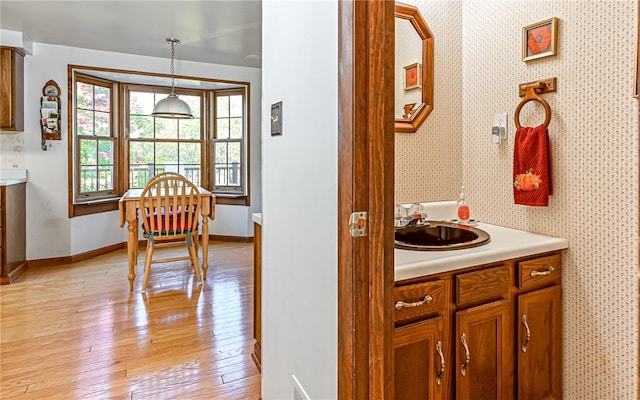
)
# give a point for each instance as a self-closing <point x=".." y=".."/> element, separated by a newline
<point x="482" y="286"/>
<point x="419" y="301"/>
<point x="539" y="272"/>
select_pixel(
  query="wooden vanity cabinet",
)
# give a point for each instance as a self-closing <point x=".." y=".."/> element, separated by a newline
<point x="257" y="295"/>
<point x="488" y="352"/>
<point x="420" y="342"/>
<point x="539" y="347"/>
<point x="11" y="89"/>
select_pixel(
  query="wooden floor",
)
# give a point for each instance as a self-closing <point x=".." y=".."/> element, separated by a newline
<point x="76" y="332"/>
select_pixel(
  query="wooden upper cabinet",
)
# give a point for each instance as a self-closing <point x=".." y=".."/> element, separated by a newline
<point x="11" y="89"/>
<point x="540" y="347"/>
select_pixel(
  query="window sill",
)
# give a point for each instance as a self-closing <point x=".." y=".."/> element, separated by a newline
<point x="232" y="200"/>
<point x="93" y="207"/>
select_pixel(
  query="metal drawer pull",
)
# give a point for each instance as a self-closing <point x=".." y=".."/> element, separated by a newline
<point x="526" y="327"/>
<point x="543" y="273"/>
<point x="401" y="304"/>
<point x="441" y="373"/>
<point x="465" y="364"/>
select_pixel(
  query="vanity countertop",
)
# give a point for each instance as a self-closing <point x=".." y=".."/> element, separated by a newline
<point x="506" y="243"/>
<point x="12" y="176"/>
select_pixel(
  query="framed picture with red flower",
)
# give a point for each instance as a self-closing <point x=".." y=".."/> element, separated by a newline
<point x="540" y="39"/>
<point x="413" y="76"/>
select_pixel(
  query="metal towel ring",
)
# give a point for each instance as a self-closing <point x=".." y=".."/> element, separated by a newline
<point x="532" y="95"/>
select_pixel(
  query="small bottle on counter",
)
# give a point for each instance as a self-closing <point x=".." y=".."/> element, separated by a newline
<point x="463" y="209"/>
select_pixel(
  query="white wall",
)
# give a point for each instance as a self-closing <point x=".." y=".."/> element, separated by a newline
<point x="50" y="233"/>
<point x="299" y="301"/>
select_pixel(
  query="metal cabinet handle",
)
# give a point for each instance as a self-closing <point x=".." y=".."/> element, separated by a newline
<point x="465" y="364"/>
<point x="548" y="271"/>
<point x="401" y="304"/>
<point x="526" y="327"/>
<point x="441" y="373"/>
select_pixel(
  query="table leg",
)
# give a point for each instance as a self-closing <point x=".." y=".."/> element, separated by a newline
<point x="132" y="250"/>
<point x="205" y="246"/>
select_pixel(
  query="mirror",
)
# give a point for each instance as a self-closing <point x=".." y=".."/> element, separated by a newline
<point x="414" y="69"/>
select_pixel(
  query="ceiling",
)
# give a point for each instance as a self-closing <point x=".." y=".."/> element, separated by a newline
<point x="212" y="31"/>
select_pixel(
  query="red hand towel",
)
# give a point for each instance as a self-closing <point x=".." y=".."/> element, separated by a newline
<point x="532" y="167"/>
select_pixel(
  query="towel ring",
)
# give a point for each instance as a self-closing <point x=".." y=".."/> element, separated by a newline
<point x="532" y="95"/>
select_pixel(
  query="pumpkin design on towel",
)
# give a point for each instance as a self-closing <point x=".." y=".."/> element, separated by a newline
<point x="527" y="181"/>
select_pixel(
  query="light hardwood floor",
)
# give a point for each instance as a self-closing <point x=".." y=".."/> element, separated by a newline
<point x="76" y="332"/>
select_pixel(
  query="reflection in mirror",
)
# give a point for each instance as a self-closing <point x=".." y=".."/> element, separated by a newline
<point x="413" y="69"/>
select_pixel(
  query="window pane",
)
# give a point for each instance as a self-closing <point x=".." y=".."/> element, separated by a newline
<point x="105" y="152"/>
<point x="190" y="153"/>
<point x="222" y="106"/>
<point x="222" y="128"/>
<point x="166" y="128"/>
<point x="84" y="122"/>
<point x="235" y="128"/>
<point x="88" y="152"/>
<point x="84" y="95"/>
<point x="166" y="153"/>
<point x="140" y="153"/>
<point x="220" y="153"/>
<point x="140" y="127"/>
<point x="103" y="124"/>
<point x="102" y="99"/>
<point x="235" y="106"/>
<point x="233" y="153"/>
<point x="141" y="103"/>
<point x="105" y="177"/>
<point x="189" y="129"/>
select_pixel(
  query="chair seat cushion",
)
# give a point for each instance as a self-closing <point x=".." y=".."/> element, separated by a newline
<point x="172" y="229"/>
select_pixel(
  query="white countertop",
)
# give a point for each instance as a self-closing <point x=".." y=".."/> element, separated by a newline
<point x="12" y="176"/>
<point x="506" y="243"/>
<point x="257" y="218"/>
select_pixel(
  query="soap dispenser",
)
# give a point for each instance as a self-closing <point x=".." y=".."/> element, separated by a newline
<point x="463" y="209"/>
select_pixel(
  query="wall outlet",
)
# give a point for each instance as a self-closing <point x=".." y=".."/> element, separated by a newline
<point x="298" y="392"/>
<point x="500" y="120"/>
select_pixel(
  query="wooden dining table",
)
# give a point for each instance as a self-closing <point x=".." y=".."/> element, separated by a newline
<point x="128" y="207"/>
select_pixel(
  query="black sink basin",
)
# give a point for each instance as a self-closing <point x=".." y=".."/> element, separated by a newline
<point x="438" y="235"/>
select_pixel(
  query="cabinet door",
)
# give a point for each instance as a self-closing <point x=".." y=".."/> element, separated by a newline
<point x="420" y="352"/>
<point x="540" y="346"/>
<point x="484" y="355"/>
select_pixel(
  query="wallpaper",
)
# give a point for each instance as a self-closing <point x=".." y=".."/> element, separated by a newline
<point x="594" y="141"/>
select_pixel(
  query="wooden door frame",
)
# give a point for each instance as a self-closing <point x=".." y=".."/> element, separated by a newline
<point x="366" y="183"/>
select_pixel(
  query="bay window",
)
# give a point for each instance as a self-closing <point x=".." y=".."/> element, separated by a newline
<point x="118" y="146"/>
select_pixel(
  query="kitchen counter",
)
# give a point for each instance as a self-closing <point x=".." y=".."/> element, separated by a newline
<point x="12" y="176"/>
<point x="506" y="243"/>
<point x="257" y="218"/>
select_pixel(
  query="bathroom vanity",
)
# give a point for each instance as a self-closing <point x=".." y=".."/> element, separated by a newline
<point x="483" y="322"/>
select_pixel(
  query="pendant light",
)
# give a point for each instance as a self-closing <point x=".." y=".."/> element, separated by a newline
<point x="172" y="106"/>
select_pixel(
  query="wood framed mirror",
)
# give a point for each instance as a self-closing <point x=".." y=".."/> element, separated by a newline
<point x="414" y="69"/>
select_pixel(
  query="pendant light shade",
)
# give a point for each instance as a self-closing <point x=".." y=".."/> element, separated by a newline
<point x="172" y="106"/>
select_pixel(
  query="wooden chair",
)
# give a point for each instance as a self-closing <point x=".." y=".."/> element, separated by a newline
<point x="170" y="207"/>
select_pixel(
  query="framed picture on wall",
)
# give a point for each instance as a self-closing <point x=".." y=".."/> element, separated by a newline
<point x="540" y="39"/>
<point x="413" y="76"/>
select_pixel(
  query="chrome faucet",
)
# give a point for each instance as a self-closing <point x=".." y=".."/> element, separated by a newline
<point x="413" y="215"/>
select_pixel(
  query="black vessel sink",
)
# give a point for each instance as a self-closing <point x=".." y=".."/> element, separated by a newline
<point x="439" y="235"/>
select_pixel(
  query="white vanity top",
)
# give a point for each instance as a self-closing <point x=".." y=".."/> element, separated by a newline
<point x="12" y="176"/>
<point x="506" y="243"/>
